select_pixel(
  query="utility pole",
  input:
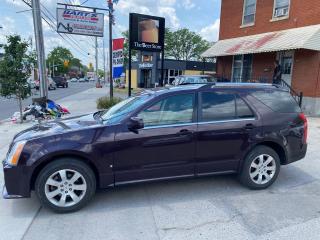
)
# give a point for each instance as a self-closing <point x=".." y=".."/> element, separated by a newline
<point x="96" y="47"/>
<point x="37" y="23"/>
<point x="111" y="20"/>
<point x="104" y="61"/>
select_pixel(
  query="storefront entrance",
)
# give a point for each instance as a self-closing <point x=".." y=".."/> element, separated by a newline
<point x="286" y="61"/>
<point x="146" y="78"/>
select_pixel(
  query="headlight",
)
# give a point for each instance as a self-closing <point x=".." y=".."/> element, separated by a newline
<point x="15" y="152"/>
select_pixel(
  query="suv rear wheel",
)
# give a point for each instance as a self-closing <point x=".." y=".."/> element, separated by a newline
<point x="260" y="168"/>
<point x="65" y="185"/>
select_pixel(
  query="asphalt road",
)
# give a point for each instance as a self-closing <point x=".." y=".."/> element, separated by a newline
<point x="9" y="106"/>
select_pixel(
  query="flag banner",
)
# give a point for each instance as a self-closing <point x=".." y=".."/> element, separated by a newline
<point x="117" y="57"/>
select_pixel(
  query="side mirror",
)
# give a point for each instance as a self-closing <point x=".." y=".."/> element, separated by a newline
<point x="135" y="124"/>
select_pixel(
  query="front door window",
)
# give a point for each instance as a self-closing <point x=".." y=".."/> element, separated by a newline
<point x="172" y="110"/>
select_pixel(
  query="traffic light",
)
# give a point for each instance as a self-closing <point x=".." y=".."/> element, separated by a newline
<point x="90" y="66"/>
<point x="66" y="63"/>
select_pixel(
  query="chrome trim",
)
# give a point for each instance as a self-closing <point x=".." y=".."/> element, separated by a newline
<point x="200" y="123"/>
<point x="171" y="125"/>
<point x="216" y="173"/>
<point x="153" y="179"/>
<point x="226" y="121"/>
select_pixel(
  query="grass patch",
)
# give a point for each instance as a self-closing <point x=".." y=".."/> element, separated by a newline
<point x="106" y="102"/>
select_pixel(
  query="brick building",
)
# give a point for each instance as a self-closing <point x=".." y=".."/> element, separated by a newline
<point x="255" y="33"/>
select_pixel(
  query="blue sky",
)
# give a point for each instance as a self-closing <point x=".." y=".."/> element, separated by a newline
<point x="201" y="16"/>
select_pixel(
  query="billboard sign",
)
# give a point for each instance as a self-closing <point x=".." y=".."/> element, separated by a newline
<point x="80" y="22"/>
<point x="117" y="57"/>
<point x="146" y="32"/>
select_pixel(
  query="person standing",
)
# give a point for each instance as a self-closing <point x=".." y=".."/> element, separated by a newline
<point x="277" y="73"/>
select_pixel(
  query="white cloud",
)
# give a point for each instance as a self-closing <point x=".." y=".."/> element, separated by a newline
<point x="211" y="32"/>
<point x="163" y="8"/>
<point x="188" y="4"/>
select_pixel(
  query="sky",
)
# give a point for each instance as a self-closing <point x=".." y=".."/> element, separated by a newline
<point x="201" y="16"/>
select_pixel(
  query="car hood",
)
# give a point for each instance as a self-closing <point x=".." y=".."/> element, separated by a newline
<point x="58" y="127"/>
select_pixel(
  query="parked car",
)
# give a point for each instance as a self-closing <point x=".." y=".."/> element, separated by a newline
<point x="193" y="79"/>
<point x="74" y="80"/>
<point x="61" y="82"/>
<point x="81" y="80"/>
<point x="186" y="131"/>
<point x="51" y="84"/>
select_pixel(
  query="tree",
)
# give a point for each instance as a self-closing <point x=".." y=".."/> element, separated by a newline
<point x="14" y="70"/>
<point x="57" y="57"/>
<point x="184" y="44"/>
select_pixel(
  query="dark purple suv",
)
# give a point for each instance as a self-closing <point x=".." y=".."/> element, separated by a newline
<point x="186" y="131"/>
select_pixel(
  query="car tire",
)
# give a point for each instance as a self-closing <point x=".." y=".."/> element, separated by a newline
<point x="65" y="185"/>
<point x="260" y="168"/>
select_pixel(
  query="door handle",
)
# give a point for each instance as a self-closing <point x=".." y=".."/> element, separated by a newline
<point x="249" y="126"/>
<point x="185" y="131"/>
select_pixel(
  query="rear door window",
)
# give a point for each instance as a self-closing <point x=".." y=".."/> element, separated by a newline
<point x="217" y="106"/>
<point x="243" y="110"/>
<point x="278" y="101"/>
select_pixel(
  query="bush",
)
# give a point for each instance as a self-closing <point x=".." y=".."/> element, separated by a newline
<point x="106" y="102"/>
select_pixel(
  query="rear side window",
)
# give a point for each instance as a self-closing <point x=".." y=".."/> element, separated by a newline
<point x="217" y="106"/>
<point x="278" y="101"/>
<point x="243" y="110"/>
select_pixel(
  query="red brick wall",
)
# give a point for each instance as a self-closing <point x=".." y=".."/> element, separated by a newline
<point x="263" y="65"/>
<point x="302" y="13"/>
<point x="306" y="72"/>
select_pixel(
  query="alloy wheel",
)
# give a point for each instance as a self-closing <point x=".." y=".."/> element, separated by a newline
<point x="65" y="188"/>
<point x="262" y="169"/>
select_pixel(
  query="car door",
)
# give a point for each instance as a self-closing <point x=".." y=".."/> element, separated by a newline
<point x="225" y="125"/>
<point x="165" y="147"/>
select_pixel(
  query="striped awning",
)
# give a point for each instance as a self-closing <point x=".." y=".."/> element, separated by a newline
<point x="290" y="39"/>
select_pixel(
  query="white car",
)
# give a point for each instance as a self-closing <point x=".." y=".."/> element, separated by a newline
<point x="74" y="80"/>
<point x="82" y="80"/>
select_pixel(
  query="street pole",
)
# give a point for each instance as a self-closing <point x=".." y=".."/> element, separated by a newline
<point x="37" y="23"/>
<point x="104" y="61"/>
<point x="53" y="69"/>
<point x="110" y="5"/>
<point x="96" y="47"/>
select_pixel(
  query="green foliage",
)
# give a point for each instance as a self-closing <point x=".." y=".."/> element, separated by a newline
<point x="57" y="57"/>
<point x="106" y="102"/>
<point x="14" y="69"/>
<point x="184" y="44"/>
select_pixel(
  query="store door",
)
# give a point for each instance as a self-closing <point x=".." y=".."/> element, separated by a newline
<point x="286" y="61"/>
<point x="146" y="77"/>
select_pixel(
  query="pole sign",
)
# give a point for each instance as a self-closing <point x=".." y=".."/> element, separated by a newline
<point x="80" y="22"/>
<point x="146" y="32"/>
<point x="117" y="57"/>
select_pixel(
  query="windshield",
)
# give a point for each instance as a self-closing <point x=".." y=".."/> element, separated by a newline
<point x="119" y="111"/>
<point x="195" y="79"/>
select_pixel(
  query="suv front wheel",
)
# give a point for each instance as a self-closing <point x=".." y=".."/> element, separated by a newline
<point x="260" y="169"/>
<point x="65" y="185"/>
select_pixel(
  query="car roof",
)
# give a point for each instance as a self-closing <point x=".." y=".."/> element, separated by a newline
<point x="208" y="86"/>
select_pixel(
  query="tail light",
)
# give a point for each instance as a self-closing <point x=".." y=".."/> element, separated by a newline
<point x="305" y="127"/>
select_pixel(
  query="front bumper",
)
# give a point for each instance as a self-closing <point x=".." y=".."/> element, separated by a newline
<point x="17" y="182"/>
<point x="6" y="195"/>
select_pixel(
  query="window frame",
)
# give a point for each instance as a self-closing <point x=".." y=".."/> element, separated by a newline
<point x="243" y="12"/>
<point x="280" y="17"/>
<point x="157" y="100"/>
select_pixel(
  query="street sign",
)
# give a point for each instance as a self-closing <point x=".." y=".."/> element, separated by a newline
<point x="146" y="32"/>
<point x="80" y="22"/>
<point x="117" y="57"/>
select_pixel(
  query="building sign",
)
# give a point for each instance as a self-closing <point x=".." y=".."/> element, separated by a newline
<point x="117" y="57"/>
<point x="80" y="22"/>
<point x="146" y="32"/>
<point x="145" y="65"/>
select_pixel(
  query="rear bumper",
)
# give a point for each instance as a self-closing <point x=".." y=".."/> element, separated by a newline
<point x="299" y="156"/>
<point x="17" y="182"/>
